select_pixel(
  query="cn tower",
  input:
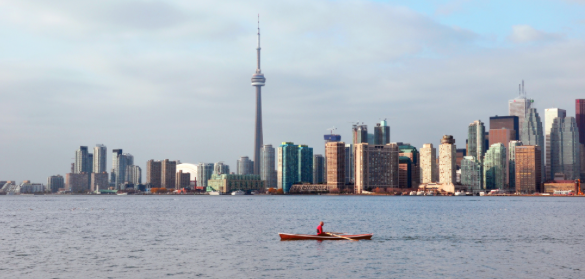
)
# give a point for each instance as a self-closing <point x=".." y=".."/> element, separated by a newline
<point x="258" y="81"/>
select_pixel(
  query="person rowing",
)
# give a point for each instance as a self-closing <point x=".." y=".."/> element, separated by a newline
<point x="320" y="232"/>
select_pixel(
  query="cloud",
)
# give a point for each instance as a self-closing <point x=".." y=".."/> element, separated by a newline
<point x="526" y="33"/>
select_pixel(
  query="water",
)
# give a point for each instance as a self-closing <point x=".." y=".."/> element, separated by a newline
<point x="236" y="237"/>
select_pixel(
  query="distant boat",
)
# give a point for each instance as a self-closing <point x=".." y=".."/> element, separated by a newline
<point x="459" y="193"/>
<point x="238" y="192"/>
<point x="420" y="193"/>
<point x="214" y="193"/>
<point x="412" y="193"/>
<point x="254" y="192"/>
<point x="429" y="193"/>
<point x="482" y="193"/>
<point x="122" y="194"/>
<point x="468" y="194"/>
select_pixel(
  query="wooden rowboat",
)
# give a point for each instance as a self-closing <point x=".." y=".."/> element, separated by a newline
<point x="288" y="236"/>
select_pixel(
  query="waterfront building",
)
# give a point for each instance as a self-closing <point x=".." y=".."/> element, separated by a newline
<point x="472" y="174"/>
<point x="245" y="166"/>
<point x="100" y="154"/>
<point x="336" y="164"/>
<point x="219" y="168"/>
<point x="532" y="134"/>
<point x="258" y="80"/>
<point x="565" y="149"/>
<point x="382" y="133"/>
<point x="99" y="181"/>
<point x="153" y="173"/>
<point x="305" y="159"/>
<point x="268" y="166"/>
<point x="192" y="170"/>
<point x="77" y="182"/>
<point x="204" y="172"/>
<point x="549" y="116"/>
<point x="169" y="174"/>
<point x="506" y="122"/>
<point x="447" y="156"/>
<point x="411" y="152"/>
<point x="349" y="164"/>
<point x="428" y="163"/>
<point x="460" y="153"/>
<point x="318" y="168"/>
<point x="519" y="107"/>
<point x="227" y="183"/>
<point x="328" y="138"/>
<point x="404" y="172"/>
<point x="494" y="168"/>
<point x="376" y="166"/>
<point x="119" y="163"/>
<point x="580" y="119"/>
<point x="54" y="183"/>
<point x="287" y="166"/>
<point x="81" y="160"/>
<point x="528" y="169"/>
<point x="89" y="162"/>
<point x="133" y="174"/>
<point x="183" y="180"/>
<point x="476" y="140"/>
<point x="512" y="163"/>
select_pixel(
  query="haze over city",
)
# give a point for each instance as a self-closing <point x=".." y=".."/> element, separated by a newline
<point x="172" y="79"/>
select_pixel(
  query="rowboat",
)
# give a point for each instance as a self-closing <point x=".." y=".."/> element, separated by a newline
<point x="288" y="236"/>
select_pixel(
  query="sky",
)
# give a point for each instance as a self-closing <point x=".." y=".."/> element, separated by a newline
<point x="171" y="79"/>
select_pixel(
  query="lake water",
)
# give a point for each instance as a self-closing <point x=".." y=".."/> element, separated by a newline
<point x="237" y="237"/>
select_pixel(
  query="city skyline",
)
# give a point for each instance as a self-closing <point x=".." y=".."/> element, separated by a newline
<point x="142" y="103"/>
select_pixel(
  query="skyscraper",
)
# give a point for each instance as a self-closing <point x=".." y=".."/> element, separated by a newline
<point x="245" y="166"/>
<point x="305" y="163"/>
<point x="412" y="154"/>
<point x="580" y="118"/>
<point x="565" y="149"/>
<point x="360" y="133"/>
<point x="169" y="174"/>
<point x="506" y="122"/>
<point x="318" y="168"/>
<point x="549" y="116"/>
<point x="502" y="136"/>
<point x="54" y="182"/>
<point x="471" y="174"/>
<point x="528" y="169"/>
<point x="268" y="166"/>
<point x="204" y="173"/>
<point x="99" y="181"/>
<point x="494" y="168"/>
<point x="382" y="133"/>
<point x="100" y="158"/>
<point x="183" y="180"/>
<point x="153" y="173"/>
<point x="532" y="134"/>
<point x="220" y="168"/>
<point x="349" y="164"/>
<point x="81" y="160"/>
<point x="476" y="140"/>
<point x="134" y="175"/>
<point x="512" y="163"/>
<point x="119" y="164"/>
<point x="447" y="154"/>
<point x="288" y="166"/>
<point x="335" y="164"/>
<point x="520" y="106"/>
<point x="376" y="166"/>
<point x="258" y="81"/>
<point x="428" y="162"/>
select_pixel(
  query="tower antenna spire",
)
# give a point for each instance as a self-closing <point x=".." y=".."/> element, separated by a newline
<point x="258" y="81"/>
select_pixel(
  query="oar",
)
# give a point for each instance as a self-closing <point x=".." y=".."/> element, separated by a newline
<point x="342" y="237"/>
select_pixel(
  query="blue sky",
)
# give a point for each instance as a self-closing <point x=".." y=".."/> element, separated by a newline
<point x="171" y="79"/>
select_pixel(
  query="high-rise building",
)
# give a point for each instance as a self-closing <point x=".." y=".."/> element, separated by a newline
<point x="447" y="166"/>
<point x="81" y="160"/>
<point x="549" y="116"/>
<point x="183" y="180"/>
<point x="99" y="181"/>
<point x="580" y="118"/>
<point x="404" y="172"/>
<point x="153" y="173"/>
<point x="506" y="122"/>
<point x="169" y="174"/>
<point x="245" y="166"/>
<point x="305" y="163"/>
<point x="376" y="166"/>
<point x="54" y="183"/>
<point x="335" y="164"/>
<point x="268" y="166"/>
<point x="258" y="81"/>
<point x="532" y="134"/>
<point x="503" y="136"/>
<point x="77" y="182"/>
<point x="565" y="149"/>
<point x="89" y="162"/>
<point x="360" y="133"/>
<point x="119" y="164"/>
<point x="204" y="173"/>
<point x="428" y="162"/>
<point x="494" y="167"/>
<point x="329" y="138"/>
<point x="382" y="133"/>
<point x="409" y="151"/>
<point x="100" y="158"/>
<point x="512" y="163"/>
<point x="133" y="174"/>
<point x="288" y="166"/>
<point x="519" y="107"/>
<point x="318" y="168"/>
<point x="476" y="140"/>
<point x="220" y="168"/>
<point x="460" y="153"/>
<point x="528" y="169"/>
<point x="349" y="164"/>
<point x="471" y="174"/>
